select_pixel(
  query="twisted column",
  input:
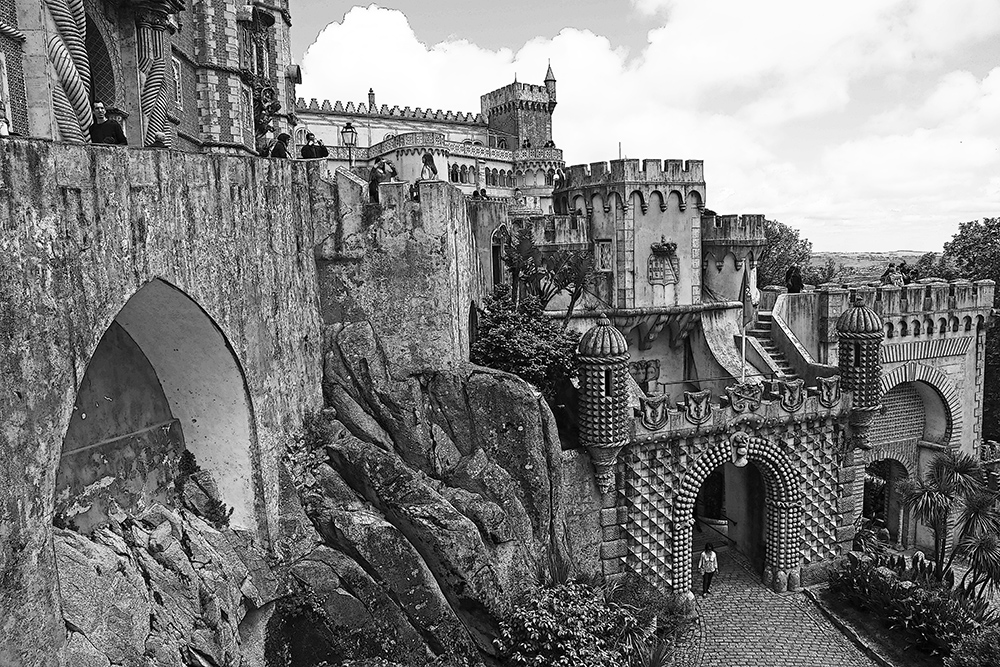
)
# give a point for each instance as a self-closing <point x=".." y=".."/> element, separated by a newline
<point x="152" y="73"/>
<point x="67" y="51"/>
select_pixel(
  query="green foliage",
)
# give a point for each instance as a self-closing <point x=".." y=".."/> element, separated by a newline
<point x="518" y="339"/>
<point x="628" y="624"/>
<point x="306" y="450"/>
<point x="544" y="275"/>
<point x="981" y="649"/>
<point x="936" y="618"/>
<point x="937" y="265"/>
<point x="565" y="626"/>
<point x="782" y="248"/>
<point x="216" y="512"/>
<point x="830" y="272"/>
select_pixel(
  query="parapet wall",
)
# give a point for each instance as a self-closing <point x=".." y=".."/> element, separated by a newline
<point x="653" y="171"/>
<point x="748" y="229"/>
<point x="514" y="92"/>
<point x="384" y="111"/>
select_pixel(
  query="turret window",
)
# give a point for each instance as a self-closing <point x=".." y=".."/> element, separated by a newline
<point x="608" y="383"/>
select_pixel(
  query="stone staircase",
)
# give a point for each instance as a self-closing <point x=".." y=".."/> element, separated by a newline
<point x="761" y="330"/>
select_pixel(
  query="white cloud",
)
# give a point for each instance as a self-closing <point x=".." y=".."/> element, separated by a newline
<point x="842" y="118"/>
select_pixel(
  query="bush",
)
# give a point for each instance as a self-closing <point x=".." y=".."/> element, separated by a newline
<point x="566" y="626"/>
<point x="936" y="617"/>
<point x="521" y="340"/>
<point x="670" y="615"/>
<point x="979" y="650"/>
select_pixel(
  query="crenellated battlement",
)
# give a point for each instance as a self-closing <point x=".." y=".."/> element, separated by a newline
<point x="924" y="296"/>
<point x="651" y="171"/>
<point x="513" y="93"/>
<point x="745" y="229"/>
<point x="385" y="111"/>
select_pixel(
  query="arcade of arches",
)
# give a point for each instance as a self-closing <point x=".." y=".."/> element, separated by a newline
<point x="163" y="378"/>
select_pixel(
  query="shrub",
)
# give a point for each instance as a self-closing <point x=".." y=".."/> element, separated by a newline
<point x="668" y="614"/>
<point x="979" y="650"/>
<point x="519" y="339"/>
<point x="566" y="626"/>
<point x="937" y="618"/>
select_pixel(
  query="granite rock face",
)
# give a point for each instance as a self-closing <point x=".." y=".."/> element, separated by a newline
<point x="438" y="498"/>
<point x="163" y="589"/>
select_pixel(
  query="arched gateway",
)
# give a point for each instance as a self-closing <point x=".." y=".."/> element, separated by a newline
<point x="783" y="506"/>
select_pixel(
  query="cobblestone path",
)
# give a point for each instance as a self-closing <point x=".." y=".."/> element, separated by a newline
<point x="743" y="624"/>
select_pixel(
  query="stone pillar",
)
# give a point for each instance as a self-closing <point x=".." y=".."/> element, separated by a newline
<point x="152" y="61"/>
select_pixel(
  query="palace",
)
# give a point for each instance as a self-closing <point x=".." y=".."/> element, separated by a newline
<point x="171" y="319"/>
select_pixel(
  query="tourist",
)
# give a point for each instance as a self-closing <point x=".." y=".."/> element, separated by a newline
<point x="280" y="148"/>
<point x="429" y="171"/>
<point x="886" y="277"/>
<point x="793" y="279"/>
<point x="709" y="565"/>
<point x="382" y="170"/>
<point x="105" y="130"/>
<point x="314" y="148"/>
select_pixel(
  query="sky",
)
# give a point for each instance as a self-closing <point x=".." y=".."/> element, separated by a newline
<point x="869" y="125"/>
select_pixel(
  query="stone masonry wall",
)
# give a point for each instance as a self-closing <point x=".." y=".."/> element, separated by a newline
<point x="82" y="229"/>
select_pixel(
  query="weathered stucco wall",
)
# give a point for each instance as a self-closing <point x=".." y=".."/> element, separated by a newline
<point x="408" y="267"/>
<point x="83" y="229"/>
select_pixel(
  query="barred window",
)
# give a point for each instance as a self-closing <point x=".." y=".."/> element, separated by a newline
<point x="178" y="93"/>
<point x="102" y="76"/>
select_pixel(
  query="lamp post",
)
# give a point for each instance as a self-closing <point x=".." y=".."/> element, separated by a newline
<point x="350" y="138"/>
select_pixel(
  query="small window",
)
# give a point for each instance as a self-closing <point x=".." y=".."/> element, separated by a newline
<point x="609" y="386"/>
<point x="178" y="92"/>
<point x="5" y="105"/>
<point x="602" y="257"/>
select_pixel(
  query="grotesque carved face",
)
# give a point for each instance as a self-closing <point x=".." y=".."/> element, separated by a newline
<point x="740" y="443"/>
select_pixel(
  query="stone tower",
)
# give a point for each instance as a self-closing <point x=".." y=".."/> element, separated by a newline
<point x="731" y="245"/>
<point x="860" y="335"/>
<point x="605" y="418"/>
<point x="521" y="112"/>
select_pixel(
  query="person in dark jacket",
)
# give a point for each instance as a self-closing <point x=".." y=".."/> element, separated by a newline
<point x="104" y="130"/>
<point x="280" y="148"/>
<point x="314" y="148"/>
<point x="793" y="279"/>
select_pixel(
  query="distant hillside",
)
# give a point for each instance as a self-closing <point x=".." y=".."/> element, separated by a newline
<point x="863" y="266"/>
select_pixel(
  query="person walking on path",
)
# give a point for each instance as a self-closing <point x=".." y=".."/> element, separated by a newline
<point x="709" y="565"/>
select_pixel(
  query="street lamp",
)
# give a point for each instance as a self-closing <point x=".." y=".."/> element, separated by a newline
<point x="350" y="138"/>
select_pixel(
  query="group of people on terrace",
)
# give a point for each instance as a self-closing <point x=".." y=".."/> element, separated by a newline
<point x="900" y="274"/>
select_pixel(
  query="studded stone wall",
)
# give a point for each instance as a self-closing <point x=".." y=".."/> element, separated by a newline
<point x="810" y="496"/>
<point x="903" y="415"/>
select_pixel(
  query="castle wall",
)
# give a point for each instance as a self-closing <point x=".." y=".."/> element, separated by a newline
<point x="84" y="228"/>
<point x="411" y="268"/>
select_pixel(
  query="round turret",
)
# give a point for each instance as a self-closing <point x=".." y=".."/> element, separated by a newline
<point x="859" y="319"/>
<point x="860" y="341"/>
<point x="602" y="340"/>
<point x="605" y="416"/>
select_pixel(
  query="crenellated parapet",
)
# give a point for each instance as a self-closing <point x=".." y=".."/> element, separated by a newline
<point x="385" y="111"/>
<point x="517" y="95"/>
<point x="652" y="171"/>
<point x="757" y="405"/>
<point x="742" y="230"/>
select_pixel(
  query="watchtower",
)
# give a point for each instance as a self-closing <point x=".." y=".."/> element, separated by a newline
<point x="520" y="113"/>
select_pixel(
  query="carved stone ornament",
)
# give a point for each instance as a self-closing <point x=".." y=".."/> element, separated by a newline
<point x="792" y="394"/>
<point x="746" y="396"/>
<point x="698" y="406"/>
<point x="829" y="391"/>
<point x="654" y="412"/>
<point x="740" y="444"/>
<point x="644" y="370"/>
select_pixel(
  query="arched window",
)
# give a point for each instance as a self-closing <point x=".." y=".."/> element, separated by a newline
<point x="103" y="86"/>
<point x="464" y="174"/>
<point x="502" y="143"/>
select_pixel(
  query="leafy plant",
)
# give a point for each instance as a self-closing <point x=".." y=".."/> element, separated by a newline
<point x="981" y="649"/>
<point x="782" y="248"/>
<point x="518" y="339"/>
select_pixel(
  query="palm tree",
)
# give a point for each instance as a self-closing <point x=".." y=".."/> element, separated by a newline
<point x="983" y="554"/>
<point x="952" y="480"/>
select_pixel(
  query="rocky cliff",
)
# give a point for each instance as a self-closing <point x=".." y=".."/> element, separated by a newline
<point x="438" y="498"/>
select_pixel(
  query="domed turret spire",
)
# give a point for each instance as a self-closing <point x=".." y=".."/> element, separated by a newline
<point x="860" y="333"/>
<point x="605" y="418"/>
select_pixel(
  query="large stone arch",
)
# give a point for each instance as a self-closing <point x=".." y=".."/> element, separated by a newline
<point x="783" y="505"/>
<point x="198" y="395"/>
<point x="943" y="386"/>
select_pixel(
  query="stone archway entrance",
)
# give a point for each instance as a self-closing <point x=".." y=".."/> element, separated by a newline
<point x="782" y="509"/>
<point x="162" y="379"/>
<point x="883" y="503"/>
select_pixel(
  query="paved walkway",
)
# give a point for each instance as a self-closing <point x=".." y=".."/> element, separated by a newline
<point x="743" y="624"/>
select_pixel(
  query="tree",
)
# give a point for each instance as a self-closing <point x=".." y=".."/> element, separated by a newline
<point x="953" y="490"/>
<point x="937" y="265"/>
<point x="829" y="272"/>
<point x="782" y="248"/>
<point x="519" y="339"/>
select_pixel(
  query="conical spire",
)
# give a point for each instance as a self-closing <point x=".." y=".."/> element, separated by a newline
<point x="549" y="76"/>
